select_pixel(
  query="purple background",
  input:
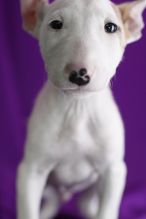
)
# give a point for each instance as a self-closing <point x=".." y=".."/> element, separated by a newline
<point x="21" y="77"/>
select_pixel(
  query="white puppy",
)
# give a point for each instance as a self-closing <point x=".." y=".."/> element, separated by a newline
<point x="75" y="136"/>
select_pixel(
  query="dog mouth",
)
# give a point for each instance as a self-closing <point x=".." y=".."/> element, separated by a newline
<point x="79" y="90"/>
<point x="69" y="88"/>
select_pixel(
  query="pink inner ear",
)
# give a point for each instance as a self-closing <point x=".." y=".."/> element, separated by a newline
<point x="136" y="25"/>
<point x="30" y="16"/>
<point x="132" y="24"/>
<point x="30" y="19"/>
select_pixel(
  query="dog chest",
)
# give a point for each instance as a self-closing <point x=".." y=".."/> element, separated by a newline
<point x="72" y="175"/>
<point x="70" y="128"/>
<point x="73" y="171"/>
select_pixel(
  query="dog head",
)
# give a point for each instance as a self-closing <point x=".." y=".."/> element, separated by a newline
<point x="82" y="41"/>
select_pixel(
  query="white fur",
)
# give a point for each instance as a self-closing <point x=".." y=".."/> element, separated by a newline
<point x="75" y="136"/>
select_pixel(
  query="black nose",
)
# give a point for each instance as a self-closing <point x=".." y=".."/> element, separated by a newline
<point x="80" y="78"/>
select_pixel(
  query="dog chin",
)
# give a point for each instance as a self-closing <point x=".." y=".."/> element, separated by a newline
<point x="84" y="89"/>
<point x="80" y="92"/>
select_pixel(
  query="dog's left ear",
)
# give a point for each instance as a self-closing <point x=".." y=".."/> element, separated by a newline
<point x="131" y="14"/>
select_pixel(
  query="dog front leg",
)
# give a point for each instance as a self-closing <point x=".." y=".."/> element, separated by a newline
<point x="113" y="182"/>
<point x="31" y="182"/>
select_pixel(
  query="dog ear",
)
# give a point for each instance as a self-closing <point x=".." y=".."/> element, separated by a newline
<point x="131" y="14"/>
<point x="30" y="13"/>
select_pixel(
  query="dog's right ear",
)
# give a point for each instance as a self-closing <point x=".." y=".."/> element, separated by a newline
<point x="30" y="13"/>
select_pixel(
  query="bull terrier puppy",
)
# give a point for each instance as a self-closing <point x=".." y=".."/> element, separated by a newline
<point x="75" y="138"/>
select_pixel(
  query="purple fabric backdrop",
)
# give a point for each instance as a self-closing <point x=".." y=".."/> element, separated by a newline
<point x="21" y="77"/>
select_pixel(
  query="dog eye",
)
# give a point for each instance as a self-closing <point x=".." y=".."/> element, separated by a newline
<point x="56" y="24"/>
<point x="110" y="27"/>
